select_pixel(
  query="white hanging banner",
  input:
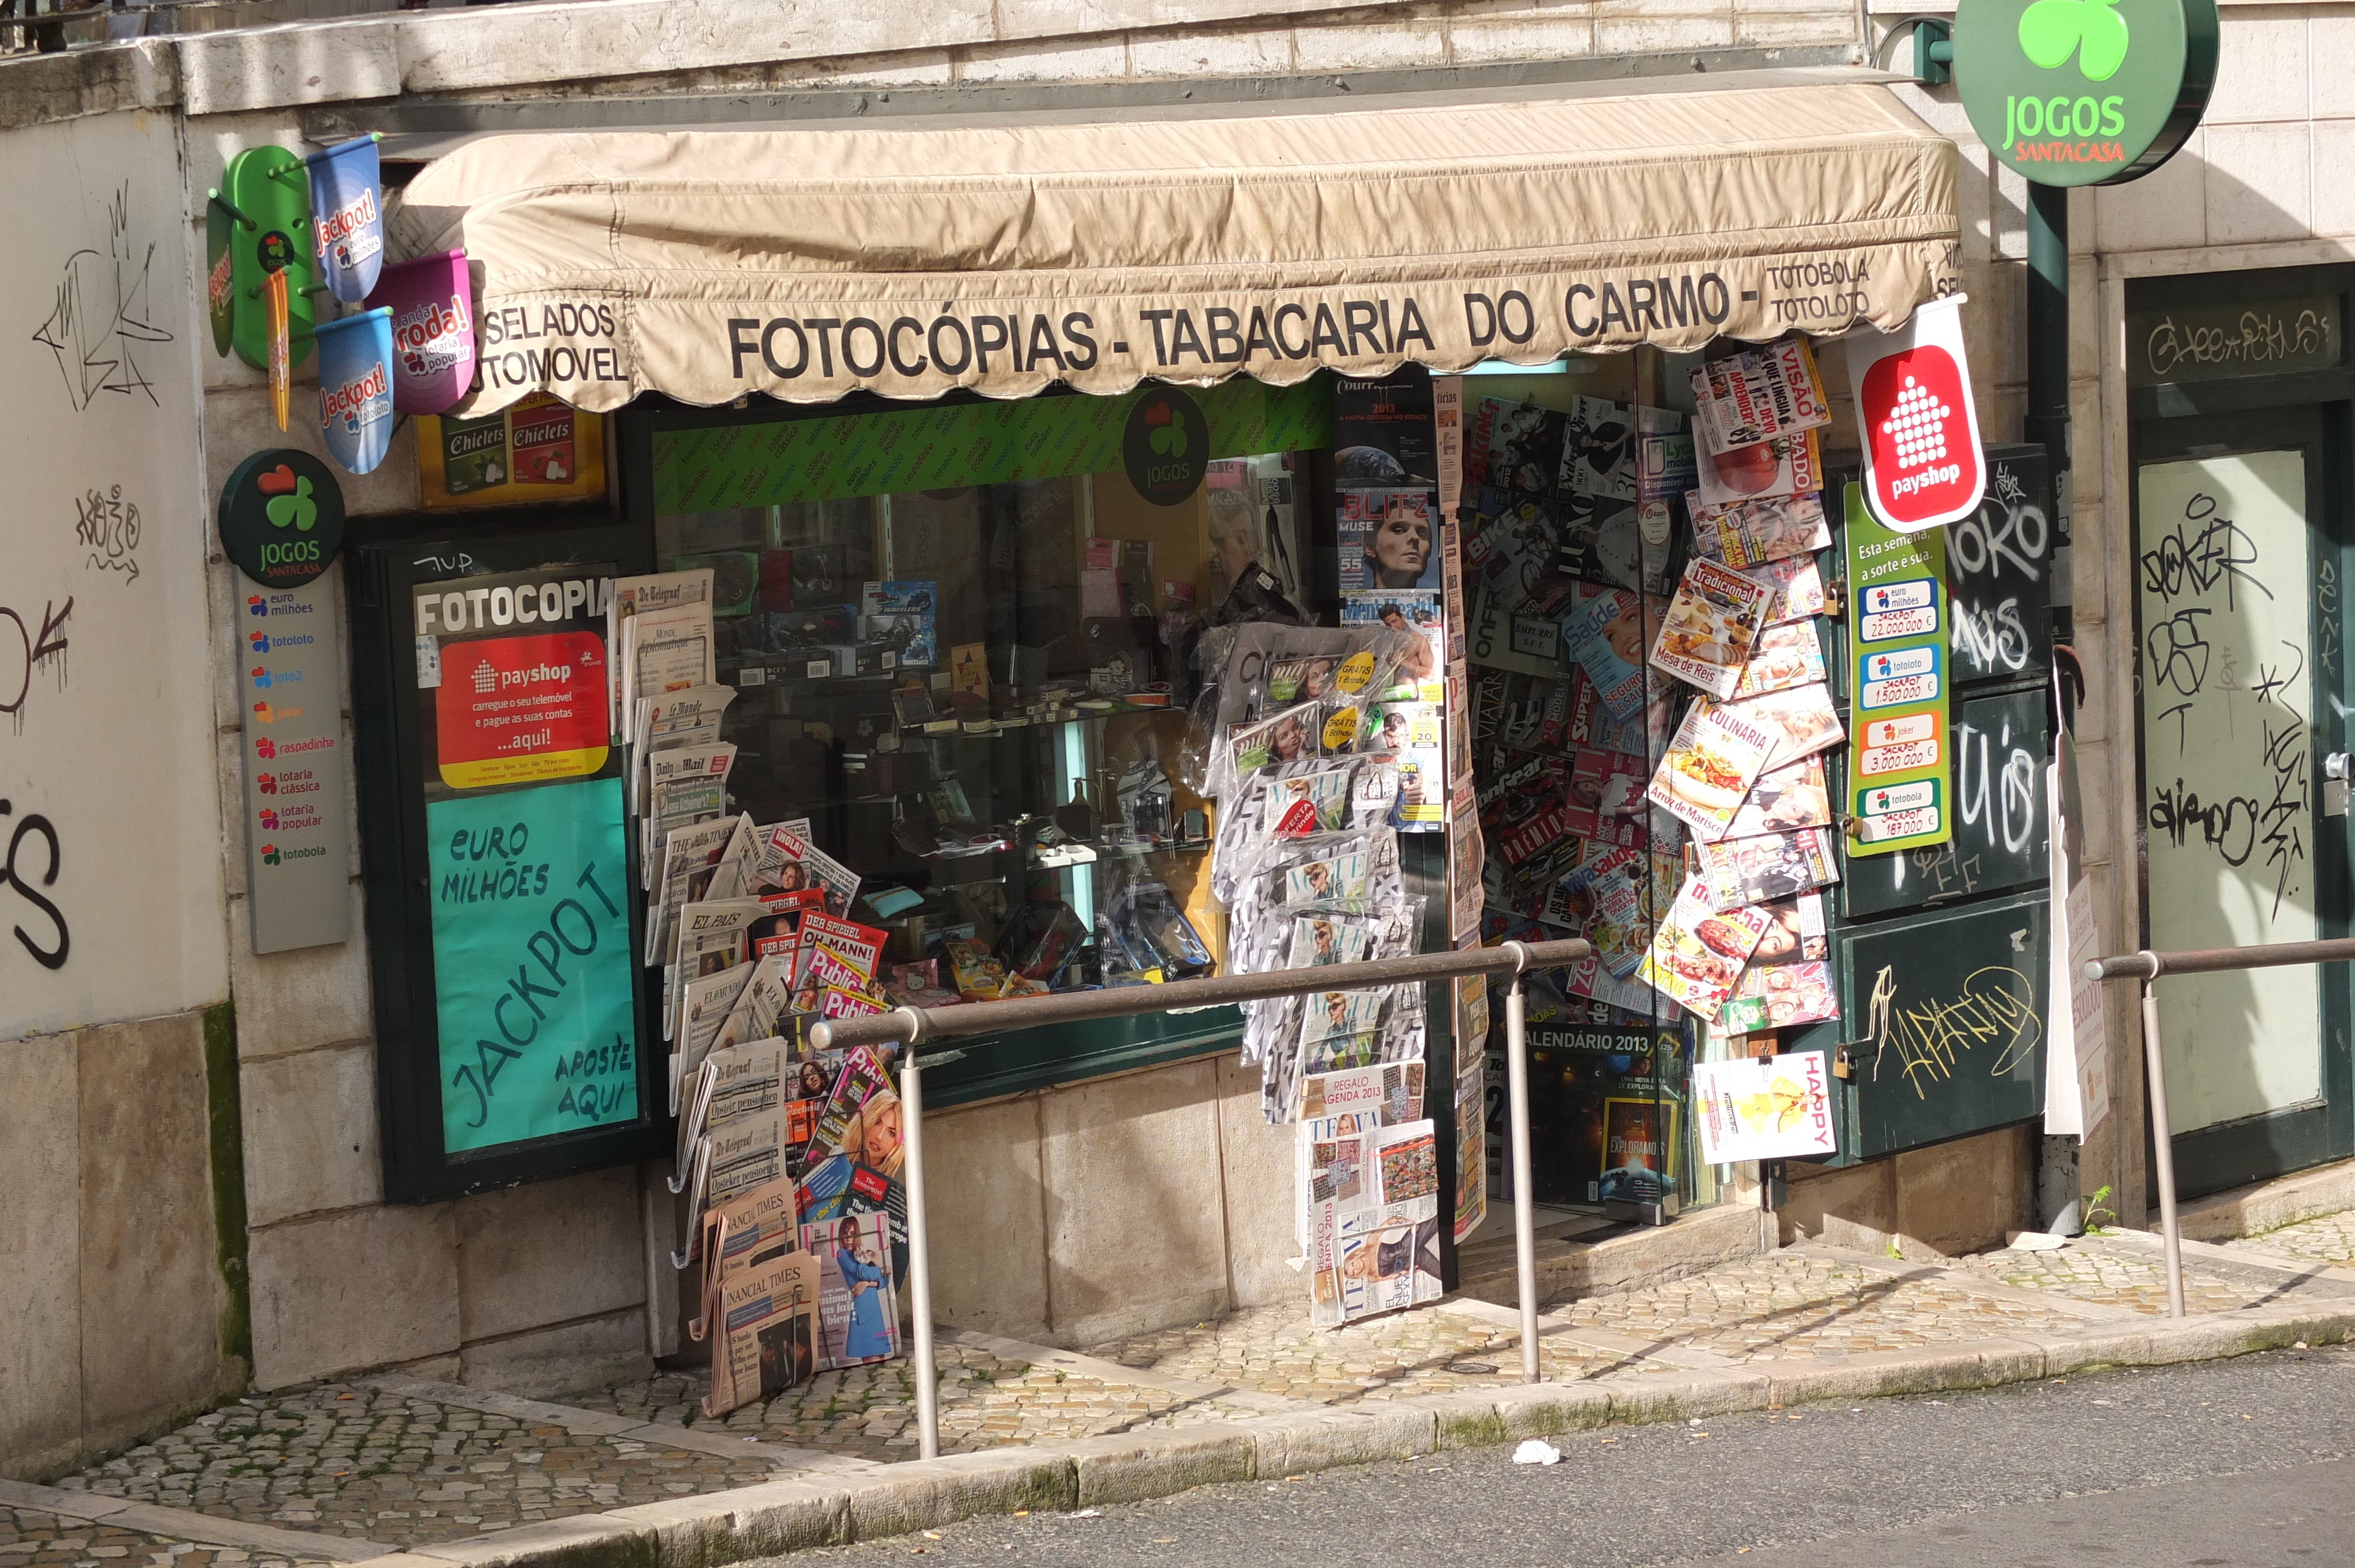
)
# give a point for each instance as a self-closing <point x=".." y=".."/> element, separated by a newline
<point x="1922" y="466"/>
<point x="2077" y="1055"/>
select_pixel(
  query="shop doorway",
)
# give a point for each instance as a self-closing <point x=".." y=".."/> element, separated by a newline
<point x="2240" y="497"/>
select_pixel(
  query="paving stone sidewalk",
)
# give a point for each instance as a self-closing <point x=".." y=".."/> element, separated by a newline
<point x="2114" y="1272"/>
<point x="372" y="1465"/>
<point x="2329" y="1239"/>
<point x="31" y="1538"/>
<point x="349" y="1459"/>
<point x="1272" y="1350"/>
<point x="987" y="1400"/>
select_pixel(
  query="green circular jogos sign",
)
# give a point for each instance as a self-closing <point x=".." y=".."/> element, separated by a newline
<point x="2083" y="92"/>
<point x="282" y="517"/>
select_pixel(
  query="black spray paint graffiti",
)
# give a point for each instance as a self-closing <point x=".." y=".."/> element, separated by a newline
<point x="108" y="527"/>
<point x="99" y="314"/>
<point x="2204" y="553"/>
<point x="29" y="653"/>
<point x="36" y="826"/>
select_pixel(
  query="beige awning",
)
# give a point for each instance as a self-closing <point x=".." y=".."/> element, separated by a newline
<point x="908" y="259"/>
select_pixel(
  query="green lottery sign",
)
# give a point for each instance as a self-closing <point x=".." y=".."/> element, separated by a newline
<point x="2083" y="92"/>
<point x="533" y="963"/>
<point x="1900" y="767"/>
<point x="282" y="517"/>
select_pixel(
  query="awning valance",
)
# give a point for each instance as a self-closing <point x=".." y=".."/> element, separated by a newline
<point x="909" y="259"/>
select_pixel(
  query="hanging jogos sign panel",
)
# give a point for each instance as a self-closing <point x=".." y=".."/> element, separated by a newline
<point x="2085" y="92"/>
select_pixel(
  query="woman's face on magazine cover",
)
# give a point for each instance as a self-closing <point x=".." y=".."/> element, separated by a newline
<point x="881" y="1135"/>
<point x="1626" y="635"/>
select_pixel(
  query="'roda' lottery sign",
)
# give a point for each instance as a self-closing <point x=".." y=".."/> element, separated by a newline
<point x="2083" y="92"/>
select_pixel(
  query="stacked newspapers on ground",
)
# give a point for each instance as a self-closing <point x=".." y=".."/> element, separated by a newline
<point x="1294" y="751"/>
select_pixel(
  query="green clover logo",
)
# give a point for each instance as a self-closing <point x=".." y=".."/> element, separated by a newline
<point x="1169" y="440"/>
<point x="298" y="510"/>
<point x="2050" y="30"/>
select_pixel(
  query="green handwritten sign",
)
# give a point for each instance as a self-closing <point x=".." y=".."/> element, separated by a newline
<point x="532" y="963"/>
<point x="1901" y="764"/>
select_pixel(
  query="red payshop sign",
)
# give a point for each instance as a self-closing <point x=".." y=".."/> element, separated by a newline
<point x="517" y="710"/>
<point x="1922" y="468"/>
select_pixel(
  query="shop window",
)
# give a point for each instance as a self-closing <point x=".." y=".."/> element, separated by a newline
<point x="961" y="641"/>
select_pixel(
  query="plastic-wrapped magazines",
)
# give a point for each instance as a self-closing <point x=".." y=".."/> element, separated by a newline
<point x="1345" y="1027"/>
<point x="1291" y="799"/>
<point x="1354" y="868"/>
<point x="1283" y="692"/>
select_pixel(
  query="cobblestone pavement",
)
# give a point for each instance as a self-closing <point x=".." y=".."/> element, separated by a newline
<point x="1274" y="1350"/>
<point x="2122" y="1275"/>
<point x="868" y="1413"/>
<point x="349" y="1460"/>
<point x="1797" y="1304"/>
<point x="31" y="1539"/>
<point x="404" y="1471"/>
<point x="2329" y="1239"/>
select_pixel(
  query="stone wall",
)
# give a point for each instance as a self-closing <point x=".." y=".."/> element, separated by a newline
<point x="117" y="1286"/>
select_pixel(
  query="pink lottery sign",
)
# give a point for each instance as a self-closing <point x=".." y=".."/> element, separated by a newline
<point x="432" y="305"/>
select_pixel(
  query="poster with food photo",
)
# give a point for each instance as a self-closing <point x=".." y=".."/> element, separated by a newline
<point x="1699" y="952"/>
<point x="1782" y="465"/>
<point x="1715" y="757"/>
<point x="1711" y="627"/>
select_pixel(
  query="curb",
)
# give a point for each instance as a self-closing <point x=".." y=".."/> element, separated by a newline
<point x="778" y="1517"/>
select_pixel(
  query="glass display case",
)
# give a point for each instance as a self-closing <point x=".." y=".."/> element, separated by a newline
<point x="976" y="690"/>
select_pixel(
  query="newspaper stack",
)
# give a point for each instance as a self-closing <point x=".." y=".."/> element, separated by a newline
<point x="1309" y="779"/>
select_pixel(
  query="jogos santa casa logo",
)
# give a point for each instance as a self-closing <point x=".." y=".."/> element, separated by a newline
<point x="2080" y="92"/>
<point x="282" y="517"/>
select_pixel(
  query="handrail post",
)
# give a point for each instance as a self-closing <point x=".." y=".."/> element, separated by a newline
<point x="2162" y="1136"/>
<point x="1525" y="1224"/>
<point x="919" y="1254"/>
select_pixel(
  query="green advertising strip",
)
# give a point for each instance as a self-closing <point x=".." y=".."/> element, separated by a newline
<point x="1901" y="772"/>
<point x="949" y="446"/>
<point x="533" y="965"/>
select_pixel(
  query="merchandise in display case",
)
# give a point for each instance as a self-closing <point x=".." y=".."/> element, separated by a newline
<point x="957" y="645"/>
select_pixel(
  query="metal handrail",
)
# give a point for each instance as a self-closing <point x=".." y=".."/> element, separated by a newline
<point x="2147" y="966"/>
<point x="909" y="1026"/>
